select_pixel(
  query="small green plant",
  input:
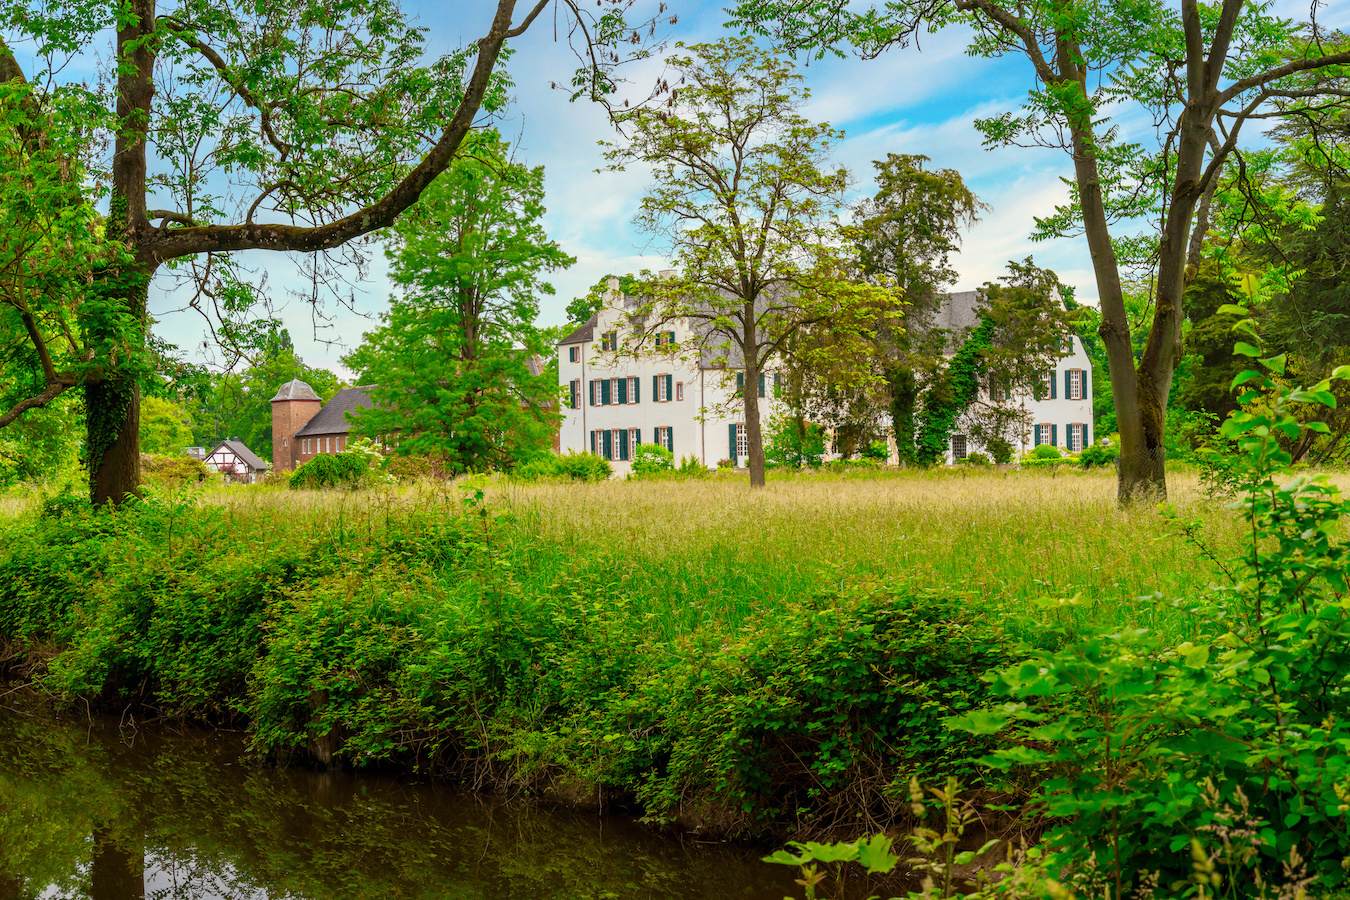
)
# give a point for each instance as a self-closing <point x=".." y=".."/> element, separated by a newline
<point x="569" y="466"/>
<point x="1046" y="451"/>
<point x="652" y="459"/>
<point x="975" y="459"/>
<point x="1095" y="455"/>
<point x="878" y="450"/>
<point x="725" y="463"/>
<point x="794" y="443"/>
<point x="1001" y="451"/>
<point x="333" y="470"/>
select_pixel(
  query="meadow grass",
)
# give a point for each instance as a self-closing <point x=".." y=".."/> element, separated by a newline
<point x="703" y="552"/>
<point x="693" y="553"/>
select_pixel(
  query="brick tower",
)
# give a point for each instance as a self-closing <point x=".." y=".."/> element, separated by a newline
<point x="293" y="406"/>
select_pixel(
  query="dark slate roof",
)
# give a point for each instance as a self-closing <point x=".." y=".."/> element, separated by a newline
<point x="295" y="390"/>
<point x="959" y="311"/>
<point x="584" y="332"/>
<point x="248" y="456"/>
<point x="332" y="419"/>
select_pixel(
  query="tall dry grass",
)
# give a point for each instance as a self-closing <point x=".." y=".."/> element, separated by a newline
<point x="690" y="550"/>
<point x="705" y="552"/>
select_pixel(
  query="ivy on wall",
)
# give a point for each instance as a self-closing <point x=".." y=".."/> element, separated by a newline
<point x="951" y="394"/>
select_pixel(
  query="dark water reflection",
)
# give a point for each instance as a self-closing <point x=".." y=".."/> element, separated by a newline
<point x="91" y="812"/>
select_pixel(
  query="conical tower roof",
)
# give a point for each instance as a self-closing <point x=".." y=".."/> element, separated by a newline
<point x="295" y="389"/>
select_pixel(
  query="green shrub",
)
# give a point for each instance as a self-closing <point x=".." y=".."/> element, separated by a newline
<point x="333" y="470"/>
<point x="1001" y="451"/>
<point x="1098" y="455"/>
<point x="690" y="467"/>
<point x="572" y="466"/>
<point x="1046" y="451"/>
<point x="725" y="463"/>
<point x="652" y="459"/>
<point x="878" y="450"/>
<point x="791" y="442"/>
<point x="975" y="459"/>
<point x="1226" y="755"/>
<point x="173" y="471"/>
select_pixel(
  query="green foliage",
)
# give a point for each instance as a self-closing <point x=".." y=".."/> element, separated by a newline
<point x="334" y="470"/>
<point x="652" y="459"/>
<point x="794" y="442"/>
<point x="1098" y="455"/>
<point x="173" y="471"/>
<point x="976" y="459"/>
<point x="164" y="427"/>
<point x="1221" y="759"/>
<point x="877" y="450"/>
<point x="1046" y="451"/>
<point x="451" y="363"/>
<point x="953" y="391"/>
<point x="571" y="466"/>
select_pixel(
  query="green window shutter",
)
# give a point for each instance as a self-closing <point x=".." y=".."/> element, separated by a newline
<point x="623" y="391"/>
<point x="740" y="384"/>
<point x="1087" y="434"/>
<point x="609" y="444"/>
<point x="590" y="392"/>
<point x="656" y="391"/>
<point x="1054" y="435"/>
<point x="623" y="444"/>
<point x="670" y="387"/>
<point x="572" y="391"/>
<point x="1068" y="375"/>
<point x="604" y="392"/>
<point x="731" y="433"/>
<point x="637" y="393"/>
<point x="761" y="384"/>
<point x="1052" y="386"/>
<point x="592" y="441"/>
<point x="777" y="383"/>
<point x="1035" y="435"/>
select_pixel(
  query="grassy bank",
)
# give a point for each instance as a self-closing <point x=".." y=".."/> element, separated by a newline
<point x="749" y="662"/>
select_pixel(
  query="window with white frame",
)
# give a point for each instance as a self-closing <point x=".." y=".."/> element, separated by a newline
<point x="679" y="390"/>
<point x="576" y="392"/>
<point x="742" y="445"/>
<point x="633" y="389"/>
<point x="665" y="436"/>
<point x="634" y="438"/>
<point x="609" y="340"/>
<point x="1075" y="384"/>
<point x="1075" y="438"/>
<point x="959" y="446"/>
<point x="1044" y="435"/>
<point x="573" y="353"/>
<point x="662" y="388"/>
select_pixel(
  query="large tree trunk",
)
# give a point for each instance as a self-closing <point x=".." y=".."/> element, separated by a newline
<point x="1141" y="471"/>
<point x="112" y="403"/>
<point x="754" y="441"/>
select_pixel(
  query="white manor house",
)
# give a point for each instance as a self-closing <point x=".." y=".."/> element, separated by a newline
<point x="613" y="401"/>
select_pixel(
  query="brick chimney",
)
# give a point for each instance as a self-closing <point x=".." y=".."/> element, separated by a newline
<point x="293" y="406"/>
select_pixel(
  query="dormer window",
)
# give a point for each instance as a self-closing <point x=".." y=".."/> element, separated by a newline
<point x="609" y="341"/>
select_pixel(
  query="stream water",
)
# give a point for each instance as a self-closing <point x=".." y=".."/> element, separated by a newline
<point x="94" y="810"/>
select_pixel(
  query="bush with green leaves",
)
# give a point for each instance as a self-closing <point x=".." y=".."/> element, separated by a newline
<point x="173" y="471"/>
<point x="1223" y="760"/>
<point x="652" y="459"/>
<point x="878" y="450"/>
<point x="333" y="470"/>
<point x="975" y="459"/>
<point x="571" y="466"/>
<point x="794" y="443"/>
<point x="1099" y="455"/>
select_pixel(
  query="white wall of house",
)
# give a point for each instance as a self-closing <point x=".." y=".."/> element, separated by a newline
<point x="225" y="460"/>
<point x="662" y="389"/>
<point x="1062" y="416"/>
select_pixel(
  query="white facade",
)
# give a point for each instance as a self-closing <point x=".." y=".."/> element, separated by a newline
<point x="1061" y="414"/>
<point x="236" y="463"/>
<point x="615" y="399"/>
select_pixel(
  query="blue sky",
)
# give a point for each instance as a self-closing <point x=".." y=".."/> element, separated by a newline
<point x="908" y="101"/>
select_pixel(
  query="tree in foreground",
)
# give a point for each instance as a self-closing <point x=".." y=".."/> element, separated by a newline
<point x="1203" y="72"/>
<point x="452" y="361"/>
<point x="745" y="203"/>
<point x="291" y="126"/>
